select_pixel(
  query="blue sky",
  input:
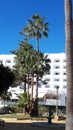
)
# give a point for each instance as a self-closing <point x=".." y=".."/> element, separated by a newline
<point x="14" y="15"/>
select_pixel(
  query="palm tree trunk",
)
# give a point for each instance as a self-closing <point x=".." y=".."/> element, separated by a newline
<point x="36" y="96"/>
<point x="24" y="83"/>
<point x="69" y="62"/>
<point x="28" y="84"/>
<point x="36" y="99"/>
<point x="32" y="87"/>
<point x="37" y="41"/>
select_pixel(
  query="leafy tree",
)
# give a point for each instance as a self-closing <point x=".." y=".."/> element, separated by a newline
<point x="6" y="78"/>
<point x="69" y="63"/>
<point x="6" y="96"/>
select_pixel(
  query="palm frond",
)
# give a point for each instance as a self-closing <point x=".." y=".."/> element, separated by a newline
<point x="45" y="34"/>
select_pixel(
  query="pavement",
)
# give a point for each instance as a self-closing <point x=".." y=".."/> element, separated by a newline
<point x="30" y="121"/>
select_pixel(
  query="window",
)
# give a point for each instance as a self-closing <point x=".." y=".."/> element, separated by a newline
<point x="64" y="80"/>
<point x="46" y="86"/>
<point x="64" y="60"/>
<point x="56" y="79"/>
<point x="48" y="73"/>
<point x="57" y="60"/>
<point x="64" y="73"/>
<point x="64" y="87"/>
<point x="56" y="73"/>
<point x="47" y="80"/>
<point x="39" y="86"/>
<point x="65" y="100"/>
<point x="8" y="61"/>
<point x="1" y="61"/>
<point x="13" y="90"/>
<point x="56" y="67"/>
<point x="64" y="67"/>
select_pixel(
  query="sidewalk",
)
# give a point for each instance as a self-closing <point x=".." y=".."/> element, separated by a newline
<point x="30" y="121"/>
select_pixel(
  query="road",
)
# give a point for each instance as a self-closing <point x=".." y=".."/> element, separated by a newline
<point x="26" y="125"/>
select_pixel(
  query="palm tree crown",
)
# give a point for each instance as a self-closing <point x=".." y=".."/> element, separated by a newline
<point x="36" y="28"/>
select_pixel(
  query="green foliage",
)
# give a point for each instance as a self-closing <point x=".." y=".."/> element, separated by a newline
<point x="6" y="95"/>
<point x="36" y="27"/>
<point x="23" y="100"/>
<point x="7" y="110"/>
<point x="28" y="61"/>
<point x="42" y="109"/>
<point x="6" y="78"/>
<point x="24" y="59"/>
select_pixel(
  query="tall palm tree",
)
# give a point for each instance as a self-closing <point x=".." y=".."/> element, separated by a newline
<point x="36" y="29"/>
<point x="26" y="64"/>
<point x="23" y="61"/>
<point x="69" y="60"/>
<point x="39" y="69"/>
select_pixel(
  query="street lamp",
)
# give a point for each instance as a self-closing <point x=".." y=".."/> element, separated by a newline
<point x="57" y="88"/>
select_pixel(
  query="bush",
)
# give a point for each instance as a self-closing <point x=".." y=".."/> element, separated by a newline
<point x="7" y="110"/>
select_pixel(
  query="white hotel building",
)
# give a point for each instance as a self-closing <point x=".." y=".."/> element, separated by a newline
<point x="56" y="77"/>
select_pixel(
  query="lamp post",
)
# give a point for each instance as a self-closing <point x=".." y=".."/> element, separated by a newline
<point x="57" y="88"/>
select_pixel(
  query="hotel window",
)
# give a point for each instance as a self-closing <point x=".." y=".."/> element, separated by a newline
<point x="56" y="73"/>
<point x="56" y="67"/>
<point x="1" y="61"/>
<point x="46" y="86"/>
<point x="64" y="80"/>
<point x="64" y="67"/>
<point x="56" y="79"/>
<point x="8" y="61"/>
<point x="64" y="87"/>
<point x="39" y="86"/>
<point x="47" y="79"/>
<point x="64" y="73"/>
<point x="48" y="73"/>
<point x="56" y="60"/>
<point x="64" y="60"/>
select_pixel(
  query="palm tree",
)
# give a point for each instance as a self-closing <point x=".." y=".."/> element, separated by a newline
<point x="69" y="60"/>
<point x="23" y="101"/>
<point x="36" y="29"/>
<point x="39" y="69"/>
<point x="23" y="62"/>
<point x="26" y="64"/>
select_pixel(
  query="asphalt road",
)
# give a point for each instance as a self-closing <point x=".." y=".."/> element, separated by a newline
<point x="26" y="126"/>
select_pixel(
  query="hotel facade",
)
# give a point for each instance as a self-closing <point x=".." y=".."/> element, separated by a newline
<point x="56" y="83"/>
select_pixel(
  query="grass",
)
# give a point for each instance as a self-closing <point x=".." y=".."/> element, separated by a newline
<point x="13" y="116"/>
<point x="21" y="116"/>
